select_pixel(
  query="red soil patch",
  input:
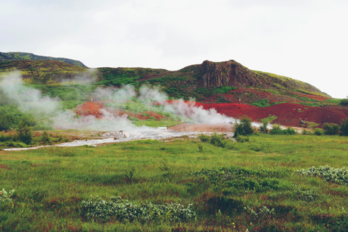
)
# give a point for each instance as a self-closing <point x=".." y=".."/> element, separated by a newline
<point x="96" y="109"/>
<point x="90" y="108"/>
<point x="288" y="114"/>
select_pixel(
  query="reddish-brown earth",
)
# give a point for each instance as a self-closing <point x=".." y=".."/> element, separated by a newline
<point x="96" y="109"/>
<point x="288" y="114"/>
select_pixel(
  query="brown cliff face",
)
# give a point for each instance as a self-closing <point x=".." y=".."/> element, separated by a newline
<point x="229" y="73"/>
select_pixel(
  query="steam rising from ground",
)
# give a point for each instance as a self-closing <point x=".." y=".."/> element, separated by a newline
<point x="31" y="100"/>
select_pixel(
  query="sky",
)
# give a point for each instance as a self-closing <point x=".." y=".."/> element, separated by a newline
<point x="302" y="39"/>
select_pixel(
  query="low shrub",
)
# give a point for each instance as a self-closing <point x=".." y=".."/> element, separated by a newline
<point x="331" y="128"/>
<point x="344" y="128"/>
<point x="14" y="144"/>
<point x="344" y="102"/>
<point x="204" y="138"/>
<point x="318" y="131"/>
<point x="97" y="208"/>
<point x="276" y="130"/>
<point x="242" y="139"/>
<point x="306" y="132"/>
<point x="217" y="140"/>
<point x="24" y="133"/>
<point x="336" y="175"/>
<point x="5" y="197"/>
<point x="243" y="127"/>
<point x="265" y="122"/>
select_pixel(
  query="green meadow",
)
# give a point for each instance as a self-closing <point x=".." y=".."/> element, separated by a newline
<point x="179" y="185"/>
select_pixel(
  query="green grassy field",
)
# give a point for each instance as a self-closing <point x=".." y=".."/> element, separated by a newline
<point x="251" y="185"/>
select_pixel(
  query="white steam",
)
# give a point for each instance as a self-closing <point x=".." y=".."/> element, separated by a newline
<point x="28" y="99"/>
<point x="32" y="101"/>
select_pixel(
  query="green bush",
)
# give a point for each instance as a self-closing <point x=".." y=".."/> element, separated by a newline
<point x="15" y="144"/>
<point x="276" y="130"/>
<point x="306" y="132"/>
<point x="96" y="208"/>
<point x="243" y="127"/>
<point x="204" y="138"/>
<point x="318" y="131"/>
<point x="344" y="102"/>
<point x="261" y="103"/>
<point x="242" y="139"/>
<point x="335" y="175"/>
<point x="331" y="128"/>
<point x="344" y="128"/>
<point x="5" y="197"/>
<point x="45" y="139"/>
<point x="24" y="133"/>
<point x="217" y="140"/>
<point x="224" y="89"/>
<point x="265" y="121"/>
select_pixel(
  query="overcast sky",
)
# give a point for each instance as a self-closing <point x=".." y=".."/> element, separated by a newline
<point x="303" y="39"/>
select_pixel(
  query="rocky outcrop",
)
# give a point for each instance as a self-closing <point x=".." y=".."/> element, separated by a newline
<point x="229" y="73"/>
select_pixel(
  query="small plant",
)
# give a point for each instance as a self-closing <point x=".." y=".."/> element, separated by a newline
<point x="204" y="138"/>
<point x="200" y="148"/>
<point x="306" y="132"/>
<point x="263" y="212"/>
<point x="331" y="128"/>
<point x="344" y="128"/>
<point x="45" y="139"/>
<point x="344" y="102"/>
<point x="129" y="174"/>
<point x="243" y="127"/>
<point x="276" y="130"/>
<point x="242" y="139"/>
<point x="336" y="175"/>
<point x="318" y="131"/>
<point x="217" y="140"/>
<point x="97" y="208"/>
<point x="24" y="133"/>
<point x="5" y="197"/>
<point x="265" y="122"/>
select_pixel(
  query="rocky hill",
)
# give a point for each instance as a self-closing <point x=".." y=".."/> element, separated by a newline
<point x="18" y="56"/>
<point x="209" y="82"/>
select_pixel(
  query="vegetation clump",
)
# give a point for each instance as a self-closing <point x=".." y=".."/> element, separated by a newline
<point x="265" y="122"/>
<point x="5" y="197"/>
<point x="97" y="208"/>
<point x="344" y="128"/>
<point x="243" y="127"/>
<point x="276" y="130"/>
<point x="331" y="128"/>
<point x="335" y="175"/>
<point x="344" y="102"/>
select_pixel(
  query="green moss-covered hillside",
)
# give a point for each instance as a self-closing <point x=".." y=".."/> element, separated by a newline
<point x="11" y="56"/>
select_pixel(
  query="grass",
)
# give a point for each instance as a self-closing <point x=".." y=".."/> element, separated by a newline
<point x="51" y="183"/>
<point x="155" y="123"/>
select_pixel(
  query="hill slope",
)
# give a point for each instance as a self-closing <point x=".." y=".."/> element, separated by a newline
<point x="12" y="56"/>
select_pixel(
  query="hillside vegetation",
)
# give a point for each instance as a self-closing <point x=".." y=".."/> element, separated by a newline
<point x="17" y="56"/>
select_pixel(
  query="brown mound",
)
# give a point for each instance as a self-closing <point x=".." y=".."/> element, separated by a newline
<point x="90" y="108"/>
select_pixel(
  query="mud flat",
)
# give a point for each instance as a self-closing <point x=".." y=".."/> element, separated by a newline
<point x="203" y="127"/>
<point x="119" y="137"/>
